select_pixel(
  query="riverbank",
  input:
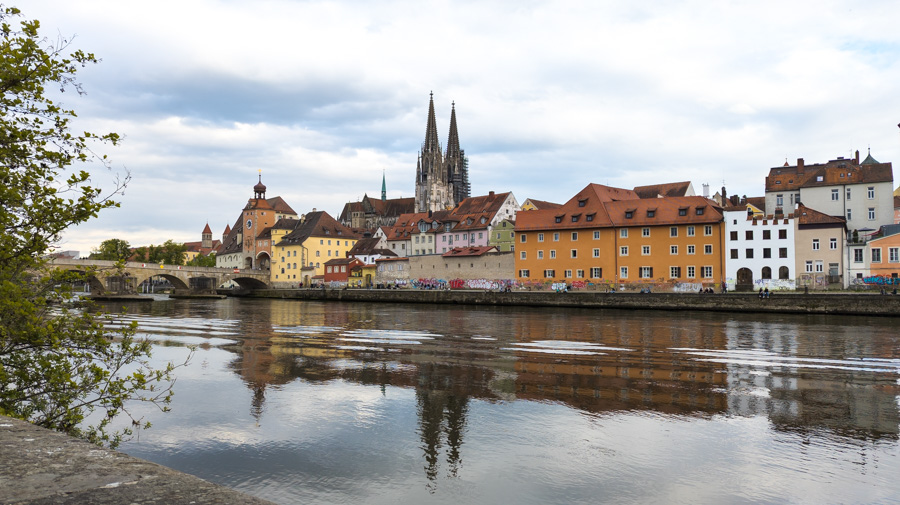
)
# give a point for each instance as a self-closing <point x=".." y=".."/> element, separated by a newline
<point x="777" y="302"/>
<point x="44" y="466"/>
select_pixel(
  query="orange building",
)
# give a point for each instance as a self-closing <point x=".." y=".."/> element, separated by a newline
<point x="610" y="235"/>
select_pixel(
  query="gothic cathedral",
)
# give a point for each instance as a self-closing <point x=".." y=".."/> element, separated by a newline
<point x="442" y="179"/>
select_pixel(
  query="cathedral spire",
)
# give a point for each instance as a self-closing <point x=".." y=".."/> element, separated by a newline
<point x="383" y="187"/>
<point x="453" y="138"/>
<point x="431" y="135"/>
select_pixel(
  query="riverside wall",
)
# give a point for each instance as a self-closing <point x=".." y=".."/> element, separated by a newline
<point x="778" y="302"/>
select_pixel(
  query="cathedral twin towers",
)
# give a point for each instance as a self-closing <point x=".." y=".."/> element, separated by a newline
<point x="442" y="179"/>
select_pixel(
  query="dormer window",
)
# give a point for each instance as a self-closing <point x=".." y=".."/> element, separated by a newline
<point x="582" y="203"/>
<point x="682" y="211"/>
<point x="559" y="218"/>
<point x="629" y="213"/>
<point x="777" y="182"/>
<point x="483" y="219"/>
<point x="589" y="217"/>
<point x="700" y="211"/>
<point x="651" y="212"/>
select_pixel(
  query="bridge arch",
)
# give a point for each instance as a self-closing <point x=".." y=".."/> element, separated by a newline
<point x="175" y="281"/>
<point x="246" y="282"/>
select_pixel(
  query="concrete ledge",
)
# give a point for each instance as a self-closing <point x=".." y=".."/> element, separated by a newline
<point x="39" y="466"/>
<point x="779" y="302"/>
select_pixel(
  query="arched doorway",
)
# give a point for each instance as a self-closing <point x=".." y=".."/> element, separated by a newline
<point x="744" y="280"/>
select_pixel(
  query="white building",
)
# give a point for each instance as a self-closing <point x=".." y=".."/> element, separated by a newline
<point x="759" y="250"/>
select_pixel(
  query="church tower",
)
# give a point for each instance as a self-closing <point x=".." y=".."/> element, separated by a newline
<point x="432" y="186"/>
<point x="456" y="163"/>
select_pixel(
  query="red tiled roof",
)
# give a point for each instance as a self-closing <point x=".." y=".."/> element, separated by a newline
<point x="808" y="216"/>
<point x="469" y="251"/>
<point x="668" y="189"/>
<point x="839" y="171"/>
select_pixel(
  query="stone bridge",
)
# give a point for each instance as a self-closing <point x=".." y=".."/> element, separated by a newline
<point x="107" y="278"/>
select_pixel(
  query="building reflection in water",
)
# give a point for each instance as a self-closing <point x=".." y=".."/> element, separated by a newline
<point x="802" y="373"/>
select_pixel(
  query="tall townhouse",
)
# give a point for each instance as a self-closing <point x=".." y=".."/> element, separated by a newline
<point x="861" y="193"/>
<point x="606" y="234"/>
<point x="820" y="249"/>
<point x="760" y="249"/>
<point x="300" y="256"/>
<point x="880" y="262"/>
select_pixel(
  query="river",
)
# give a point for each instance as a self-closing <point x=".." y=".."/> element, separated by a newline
<point x="320" y="403"/>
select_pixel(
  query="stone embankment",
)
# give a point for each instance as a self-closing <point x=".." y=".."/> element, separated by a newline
<point x="777" y="302"/>
<point x="40" y="466"/>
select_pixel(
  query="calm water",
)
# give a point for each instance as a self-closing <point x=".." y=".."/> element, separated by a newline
<point x="315" y="403"/>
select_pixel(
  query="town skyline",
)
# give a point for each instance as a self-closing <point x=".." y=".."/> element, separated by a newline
<point x="325" y="98"/>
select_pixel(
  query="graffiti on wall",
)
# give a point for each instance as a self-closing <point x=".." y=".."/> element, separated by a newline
<point x="881" y="280"/>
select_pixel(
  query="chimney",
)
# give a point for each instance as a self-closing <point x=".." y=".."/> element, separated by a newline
<point x="856" y="158"/>
<point x="490" y="193"/>
<point x="724" y="195"/>
<point x="800" y="165"/>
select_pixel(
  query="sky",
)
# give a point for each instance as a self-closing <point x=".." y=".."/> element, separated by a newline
<point x="323" y="98"/>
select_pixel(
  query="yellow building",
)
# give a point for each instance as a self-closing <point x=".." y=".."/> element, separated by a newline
<point x="299" y="256"/>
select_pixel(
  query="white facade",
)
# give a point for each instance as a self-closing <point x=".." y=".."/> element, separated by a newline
<point x="864" y="205"/>
<point x="764" y="247"/>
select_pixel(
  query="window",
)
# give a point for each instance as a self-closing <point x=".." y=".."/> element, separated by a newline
<point x="682" y="211"/>
<point x="673" y="231"/>
<point x="707" y="249"/>
<point x="579" y="274"/>
<point x="623" y="250"/>
<point x="575" y="218"/>
<point x="540" y="254"/>
<point x="871" y="213"/>
<point x="623" y="272"/>
<point x="748" y="234"/>
<point x="673" y="250"/>
<point x="674" y="272"/>
<point x="834" y="197"/>
<point x="748" y="253"/>
<point x="568" y="274"/>
<point x="870" y="193"/>
<point x="553" y="254"/>
<point x="629" y="214"/>
<point x="832" y="244"/>
<point x="646" y="272"/>
<point x="894" y="255"/>
<point x="815" y="244"/>
<point x="574" y="253"/>
<point x="556" y="237"/>
<point x="645" y="232"/>
<point x="767" y="234"/>
<point x="809" y="266"/>
<point x="525" y="273"/>
<point x="623" y="233"/>
<point x="779" y="200"/>
<point x="733" y="235"/>
<point x="849" y="214"/>
<point x="706" y="272"/>
<point x="522" y="255"/>
<point x="876" y="255"/>
<point x="589" y="217"/>
<point x="690" y="272"/>
<point x="767" y="252"/>
<point x="596" y="235"/>
<point x="734" y="254"/>
<point x="857" y="255"/>
<point x="848" y="193"/>
<point x="549" y="274"/>
<point x="596" y="272"/>
<point x="522" y="238"/>
<point x="820" y="267"/>
<point x="699" y="211"/>
<point x="540" y="237"/>
<point x="596" y="253"/>
<point x="574" y="236"/>
<point x="782" y="252"/>
<point x="782" y="234"/>
<point x="784" y="273"/>
<point x="645" y="250"/>
<point x="690" y="231"/>
<point x="651" y="212"/>
<point x="690" y="249"/>
<point x="581" y="203"/>
<point x="558" y="219"/>
<point x="766" y="273"/>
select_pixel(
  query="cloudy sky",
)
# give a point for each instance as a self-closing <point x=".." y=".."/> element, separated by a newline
<point x="325" y="97"/>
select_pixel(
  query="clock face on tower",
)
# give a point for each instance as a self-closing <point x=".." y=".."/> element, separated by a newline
<point x="249" y="223"/>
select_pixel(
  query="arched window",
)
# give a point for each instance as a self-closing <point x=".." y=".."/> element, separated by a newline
<point x="784" y="273"/>
<point x="766" y="273"/>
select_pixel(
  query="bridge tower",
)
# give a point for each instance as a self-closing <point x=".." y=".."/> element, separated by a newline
<point x="258" y="215"/>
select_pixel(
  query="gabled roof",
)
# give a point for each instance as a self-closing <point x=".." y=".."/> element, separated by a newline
<point x="834" y="172"/>
<point x="317" y="224"/>
<point x="664" y="211"/>
<point x="469" y="251"/>
<point x="541" y="204"/>
<point x="808" y="216"/>
<point x="390" y="207"/>
<point x="490" y="203"/>
<point x="668" y="189"/>
<point x="279" y="205"/>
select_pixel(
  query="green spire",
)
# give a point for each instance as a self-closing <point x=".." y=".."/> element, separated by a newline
<point x="383" y="188"/>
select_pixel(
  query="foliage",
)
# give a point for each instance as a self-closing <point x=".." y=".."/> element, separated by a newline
<point x="114" y="249"/>
<point x="202" y="260"/>
<point x="57" y="365"/>
<point x="169" y="253"/>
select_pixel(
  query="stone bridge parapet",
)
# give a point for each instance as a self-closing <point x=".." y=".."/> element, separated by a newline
<point x="110" y="277"/>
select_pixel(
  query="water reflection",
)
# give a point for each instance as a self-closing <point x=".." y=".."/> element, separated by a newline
<point x="814" y="377"/>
